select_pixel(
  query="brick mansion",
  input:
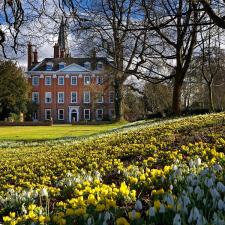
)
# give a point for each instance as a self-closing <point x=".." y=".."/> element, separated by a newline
<point x="69" y="89"/>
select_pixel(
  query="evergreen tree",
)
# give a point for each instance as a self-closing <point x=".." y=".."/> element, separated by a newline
<point x="13" y="89"/>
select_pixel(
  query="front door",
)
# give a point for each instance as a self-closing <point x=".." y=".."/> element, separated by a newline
<point x="74" y="115"/>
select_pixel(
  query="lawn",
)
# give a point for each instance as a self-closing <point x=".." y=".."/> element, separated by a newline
<point x="30" y="133"/>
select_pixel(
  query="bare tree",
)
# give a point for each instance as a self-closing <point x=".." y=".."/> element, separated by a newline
<point x="215" y="10"/>
<point x="108" y="26"/>
<point x="178" y="40"/>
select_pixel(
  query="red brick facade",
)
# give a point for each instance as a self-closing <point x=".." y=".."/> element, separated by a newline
<point x="45" y="78"/>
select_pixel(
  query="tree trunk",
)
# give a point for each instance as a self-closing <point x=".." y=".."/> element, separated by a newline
<point x="176" y="106"/>
<point x="119" y="100"/>
<point x="211" y="102"/>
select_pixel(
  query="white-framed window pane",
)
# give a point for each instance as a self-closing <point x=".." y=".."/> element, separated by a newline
<point x="49" y="66"/>
<point x="99" y="66"/>
<point x="87" y="80"/>
<point x="87" y="114"/>
<point x="35" y="116"/>
<point x="60" y="97"/>
<point x="74" y="97"/>
<point x="87" y="97"/>
<point x="61" y="80"/>
<point x="48" y="80"/>
<point x="87" y="65"/>
<point x="99" y="98"/>
<point x="48" y="114"/>
<point x="48" y="97"/>
<point x="60" y="114"/>
<point x="99" y="114"/>
<point x="35" y="97"/>
<point x="61" y="65"/>
<point x="111" y="97"/>
<point x="35" y="80"/>
<point x="99" y="80"/>
<point x="74" y="80"/>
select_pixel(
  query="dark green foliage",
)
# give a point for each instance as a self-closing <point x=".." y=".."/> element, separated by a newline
<point x="13" y="89"/>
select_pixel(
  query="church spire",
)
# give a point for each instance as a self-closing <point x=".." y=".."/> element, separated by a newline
<point x="62" y="39"/>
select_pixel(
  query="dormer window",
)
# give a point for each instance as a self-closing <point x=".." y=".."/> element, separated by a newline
<point x="62" y="65"/>
<point x="49" y="66"/>
<point x="99" y="66"/>
<point x="87" y="65"/>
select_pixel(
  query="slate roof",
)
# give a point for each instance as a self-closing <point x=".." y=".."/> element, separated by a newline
<point x="80" y="61"/>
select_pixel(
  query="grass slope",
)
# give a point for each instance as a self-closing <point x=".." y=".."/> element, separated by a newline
<point x="157" y="173"/>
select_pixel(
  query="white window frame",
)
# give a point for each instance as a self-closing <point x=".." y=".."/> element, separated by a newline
<point x="59" y="80"/>
<point x="49" y="66"/>
<point x="48" y="84"/>
<point x="38" y="81"/>
<point x="59" y="114"/>
<point x="89" y="93"/>
<point x="98" y="100"/>
<point x="85" y="80"/>
<point x="87" y="65"/>
<point x="61" y="102"/>
<point x="49" y="98"/>
<point x="71" y="97"/>
<point x="62" y="65"/>
<point x="33" y="97"/>
<point x="72" y="79"/>
<point x="48" y="110"/>
<point x="35" y="116"/>
<point x="100" y="63"/>
<point x="99" y="80"/>
<point x="89" y="114"/>
<point x="111" y="100"/>
<point x="97" y="114"/>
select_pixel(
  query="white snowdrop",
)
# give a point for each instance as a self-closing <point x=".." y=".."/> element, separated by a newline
<point x="198" y="162"/>
<point x="199" y="192"/>
<point x="162" y="208"/>
<point x="217" y="167"/>
<point x="169" y="199"/>
<point x="194" y="215"/>
<point x="214" y="193"/>
<point x="201" y="220"/>
<point x="177" y="219"/>
<point x="191" y="163"/>
<point x="138" y="205"/>
<point x="44" y="192"/>
<point x="151" y="211"/>
<point x="209" y="182"/>
<point x="190" y="189"/>
<point x="90" y="221"/>
<point x="133" y="214"/>
<point x="107" y="216"/>
<point x="220" y="187"/>
<point x="175" y="167"/>
<point x="23" y="210"/>
<point x="221" y="205"/>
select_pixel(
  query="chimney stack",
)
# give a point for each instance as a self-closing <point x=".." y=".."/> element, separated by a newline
<point x="35" y="56"/>
<point x="29" y="56"/>
<point x="56" y="50"/>
<point x="93" y="54"/>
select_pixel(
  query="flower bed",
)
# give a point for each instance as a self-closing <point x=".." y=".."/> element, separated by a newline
<point x="170" y="173"/>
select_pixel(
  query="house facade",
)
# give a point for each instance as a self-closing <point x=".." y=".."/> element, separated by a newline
<point x="67" y="89"/>
<point x="71" y="89"/>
